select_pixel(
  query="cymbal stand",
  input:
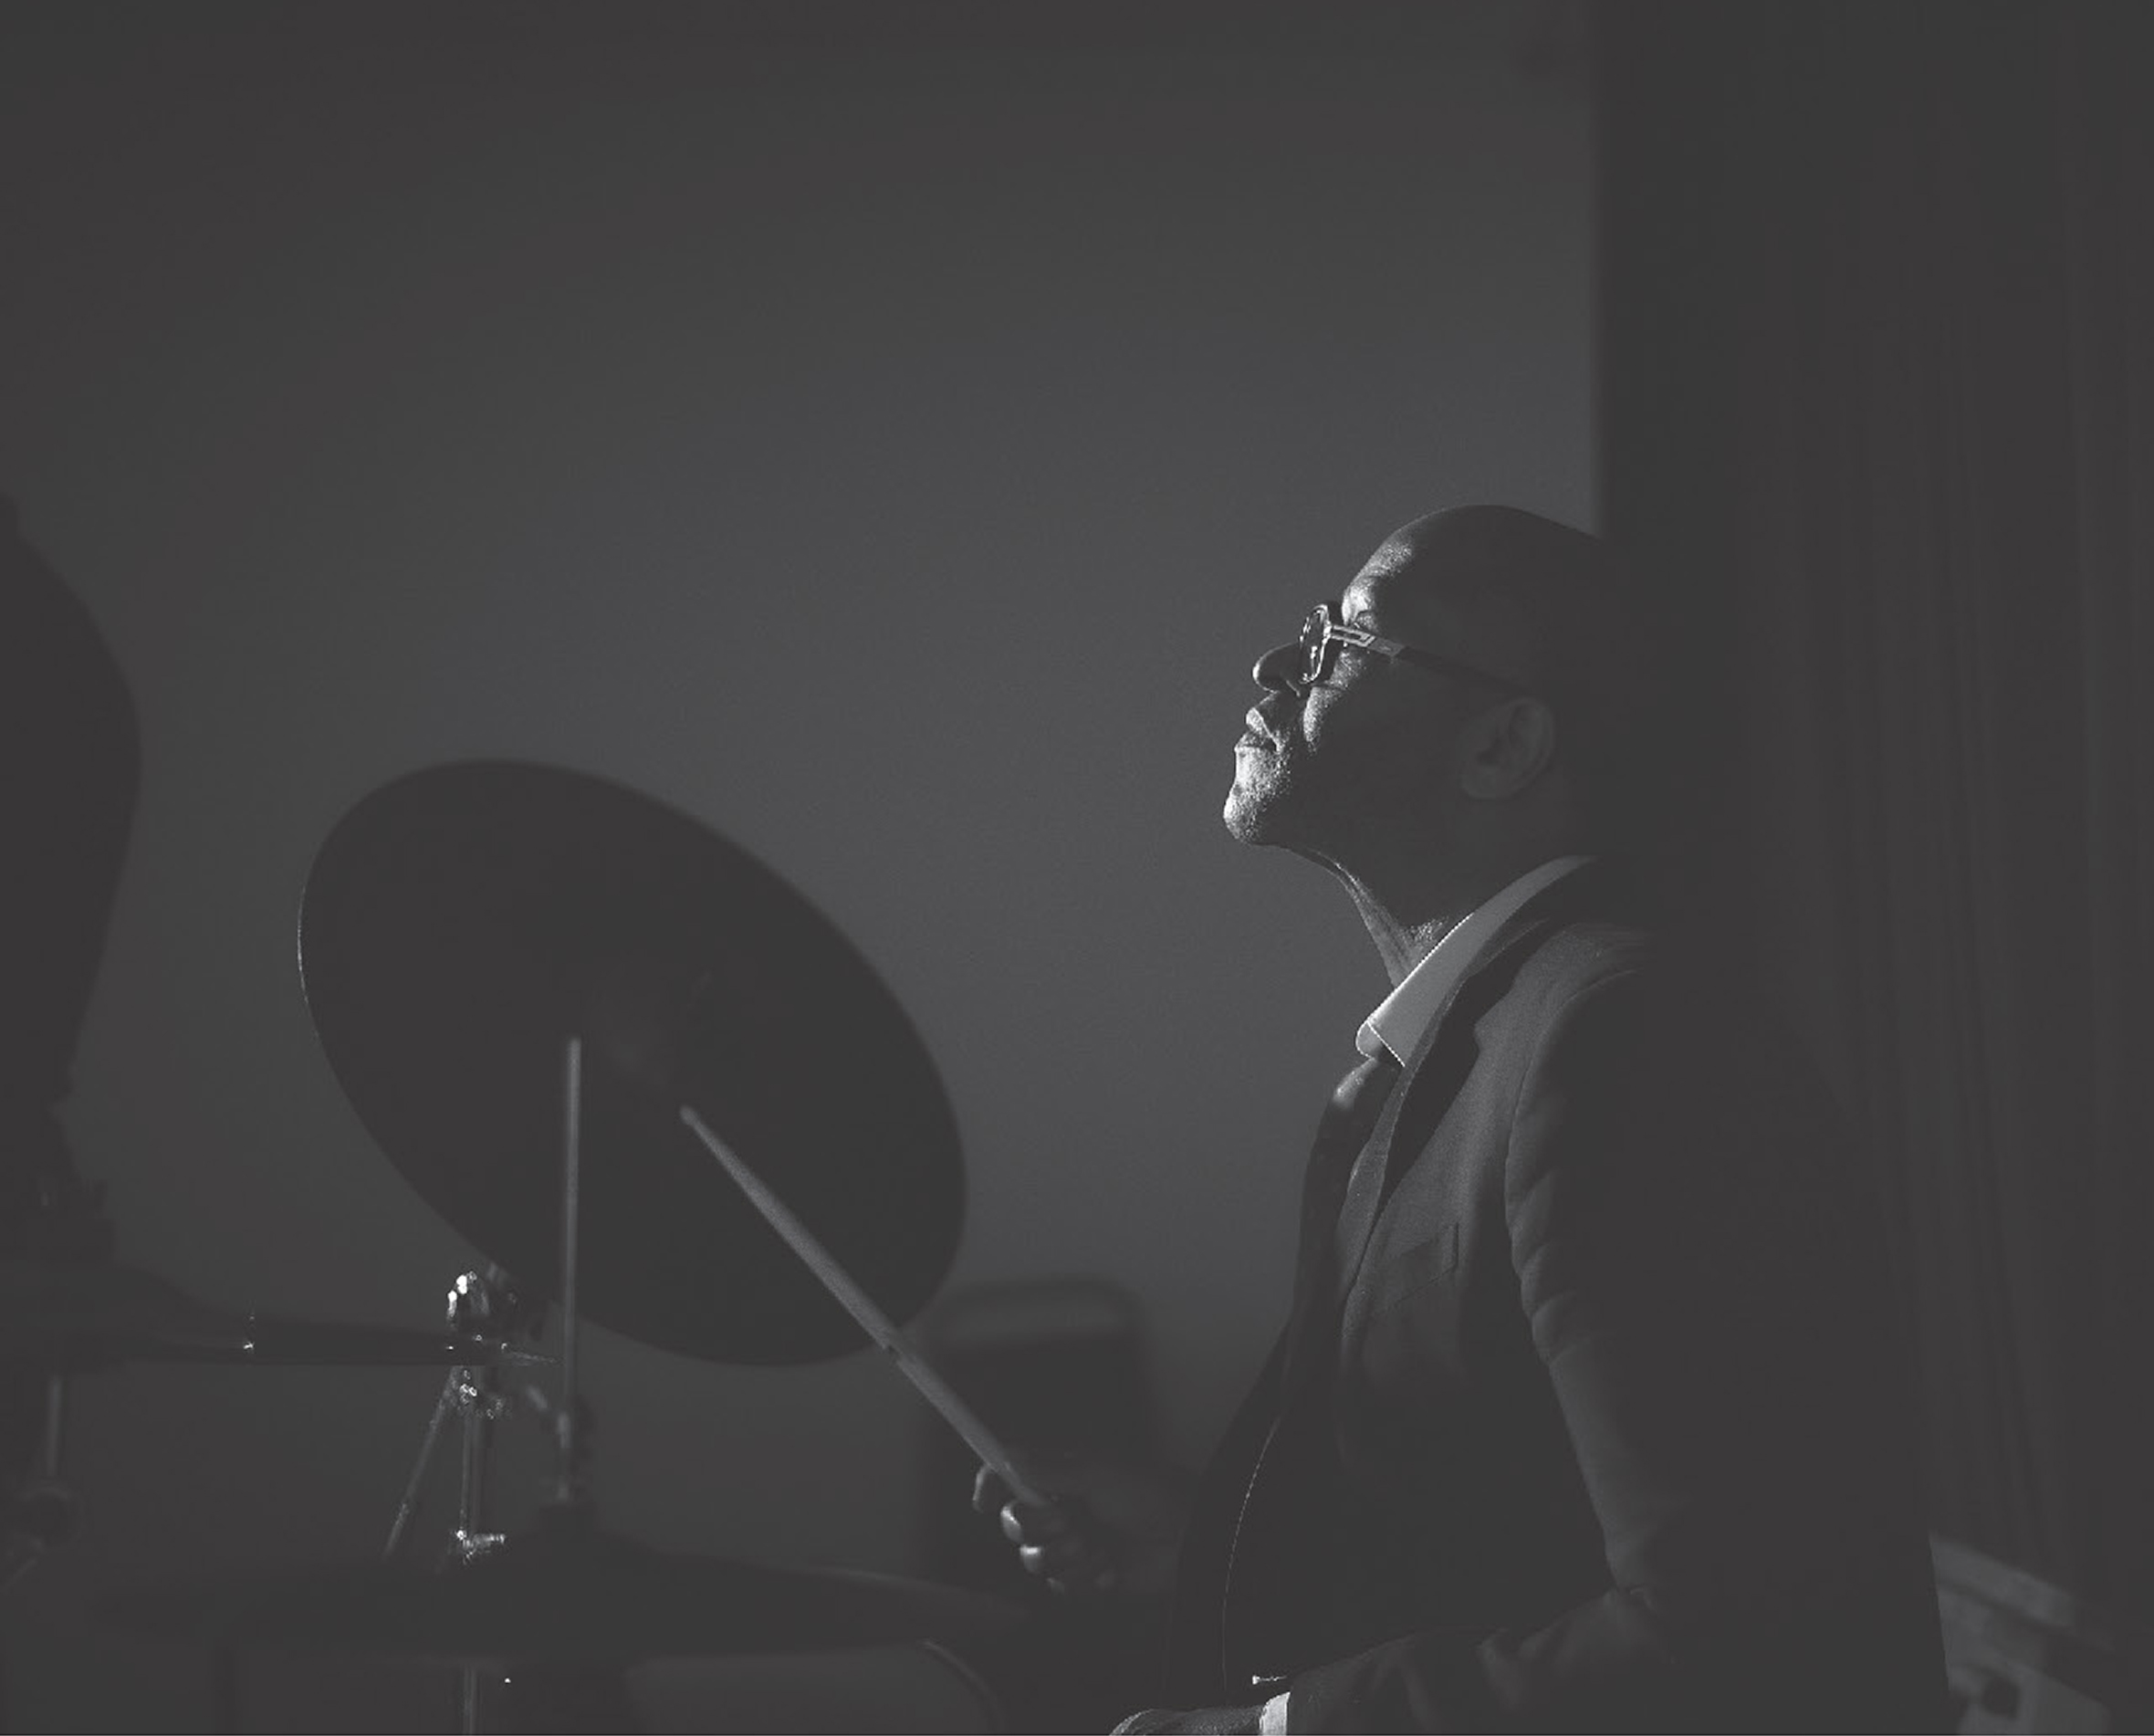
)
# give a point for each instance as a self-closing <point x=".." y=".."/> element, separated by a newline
<point x="486" y="1304"/>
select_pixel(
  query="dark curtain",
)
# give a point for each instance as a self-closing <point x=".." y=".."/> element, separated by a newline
<point x="1877" y="419"/>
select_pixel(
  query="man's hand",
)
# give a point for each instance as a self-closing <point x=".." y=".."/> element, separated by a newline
<point x="1111" y="1527"/>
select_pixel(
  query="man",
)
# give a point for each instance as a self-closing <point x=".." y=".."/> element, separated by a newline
<point x="1587" y="1414"/>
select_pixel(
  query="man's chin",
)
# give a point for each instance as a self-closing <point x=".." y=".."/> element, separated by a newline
<point x="1250" y="818"/>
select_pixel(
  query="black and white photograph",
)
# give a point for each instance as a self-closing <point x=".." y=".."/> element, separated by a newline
<point x="1032" y="867"/>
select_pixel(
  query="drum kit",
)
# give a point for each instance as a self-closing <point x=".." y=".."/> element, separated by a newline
<point x="656" y="1088"/>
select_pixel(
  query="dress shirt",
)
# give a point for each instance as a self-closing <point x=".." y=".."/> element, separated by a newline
<point x="1403" y="1018"/>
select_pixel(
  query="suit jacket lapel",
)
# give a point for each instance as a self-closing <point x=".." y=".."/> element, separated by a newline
<point x="1445" y="1055"/>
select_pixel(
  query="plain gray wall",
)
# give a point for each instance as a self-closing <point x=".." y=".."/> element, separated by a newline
<point x="892" y="448"/>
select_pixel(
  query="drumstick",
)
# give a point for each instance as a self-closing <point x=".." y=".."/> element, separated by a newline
<point x="872" y="1321"/>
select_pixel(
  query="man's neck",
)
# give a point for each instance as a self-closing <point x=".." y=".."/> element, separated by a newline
<point x="1409" y="913"/>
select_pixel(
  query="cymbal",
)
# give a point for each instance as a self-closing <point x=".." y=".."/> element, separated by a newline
<point x="86" y="1314"/>
<point x="460" y="924"/>
<point x="565" y="1592"/>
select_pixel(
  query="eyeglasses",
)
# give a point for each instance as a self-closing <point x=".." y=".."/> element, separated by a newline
<point x="1324" y="633"/>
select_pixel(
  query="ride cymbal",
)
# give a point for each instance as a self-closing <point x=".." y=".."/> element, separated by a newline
<point x="460" y="924"/>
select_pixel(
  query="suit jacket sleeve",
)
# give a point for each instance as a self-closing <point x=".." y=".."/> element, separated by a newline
<point x="1706" y="1310"/>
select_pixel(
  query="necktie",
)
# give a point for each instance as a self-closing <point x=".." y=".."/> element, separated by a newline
<point x="1348" y="1121"/>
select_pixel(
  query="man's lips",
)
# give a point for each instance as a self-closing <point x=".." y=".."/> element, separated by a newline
<point x="1257" y="736"/>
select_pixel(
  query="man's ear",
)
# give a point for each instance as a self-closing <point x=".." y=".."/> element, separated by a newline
<point x="1508" y="746"/>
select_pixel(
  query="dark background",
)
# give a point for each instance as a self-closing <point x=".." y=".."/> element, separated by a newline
<point x="1875" y="339"/>
<point x="886" y="432"/>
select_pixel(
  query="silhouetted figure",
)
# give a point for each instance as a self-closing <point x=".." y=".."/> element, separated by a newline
<point x="69" y="762"/>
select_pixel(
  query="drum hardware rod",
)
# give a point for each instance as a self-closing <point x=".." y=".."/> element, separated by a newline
<point x="55" y="1426"/>
<point x="856" y="1302"/>
<point x="479" y="1394"/>
<point x="467" y="1701"/>
<point x="475" y="1393"/>
<point x="409" y="1506"/>
<point x="42" y="1512"/>
<point x="485" y="1299"/>
<point x="569" y="1421"/>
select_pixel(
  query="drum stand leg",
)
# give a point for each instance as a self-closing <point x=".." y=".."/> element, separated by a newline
<point x="414" y="1483"/>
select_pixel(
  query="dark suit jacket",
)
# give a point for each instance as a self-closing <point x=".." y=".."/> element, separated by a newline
<point x="1605" y="1425"/>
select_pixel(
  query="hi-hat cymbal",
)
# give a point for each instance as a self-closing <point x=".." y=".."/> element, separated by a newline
<point x="564" y="1594"/>
<point x="461" y="923"/>
<point x="84" y="1315"/>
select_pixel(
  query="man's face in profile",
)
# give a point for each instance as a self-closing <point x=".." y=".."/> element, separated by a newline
<point x="1324" y="760"/>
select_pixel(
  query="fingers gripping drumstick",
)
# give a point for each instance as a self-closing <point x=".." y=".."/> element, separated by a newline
<point x="872" y="1321"/>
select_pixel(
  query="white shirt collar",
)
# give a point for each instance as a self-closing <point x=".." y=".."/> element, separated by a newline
<point x="1405" y="1015"/>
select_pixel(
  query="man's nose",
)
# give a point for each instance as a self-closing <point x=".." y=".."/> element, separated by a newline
<point x="1279" y="669"/>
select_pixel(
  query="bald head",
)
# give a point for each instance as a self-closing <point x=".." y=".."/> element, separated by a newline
<point x="1549" y="607"/>
<point x="1525" y="596"/>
